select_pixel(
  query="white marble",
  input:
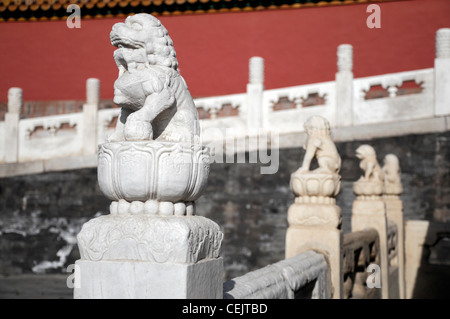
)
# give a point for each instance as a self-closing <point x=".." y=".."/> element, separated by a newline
<point x="443" y="43"/>
<point x="442" y="73"/>
<point x="148" y="280"/>
<point x="369" y="211"/>
<point x="283" y="280"/>
<point x="169" y="239"/>
<point x="371" y="182"/>
<point x="392" y="179"/>
<point x="154" y="99"/>
<point x="325" y="180"/>
<point x="15" y="100"/>
<point x="345" y="57"/>
<point x="344" y="86"/>
<point x="92" y="91"/>
<point x="90" y="113"/>
<point x="256" y="114"/>
<point x="153" y="168"/>
<point x="12" y="125"/>
<point x="314" y="218"/>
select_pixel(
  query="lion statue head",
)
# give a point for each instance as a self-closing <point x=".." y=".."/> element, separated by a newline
<point x="142" y="42"/>
<point x="154" y="99"/>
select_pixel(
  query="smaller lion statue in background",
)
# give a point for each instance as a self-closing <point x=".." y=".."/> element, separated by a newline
<point x="369" y="164"/>
<point x="319" y="145"/>
<point x="392" y="179"/>
<point x="154" y="99"/>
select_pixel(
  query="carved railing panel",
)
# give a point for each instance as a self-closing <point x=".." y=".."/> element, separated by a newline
<point x="304" y="276"/>
<point x="360" y="249"/>
<point x="392" y="240"/>
<point x="287" y="107"/>
<point x="50" y="137"/>
<point x="393" y="97"/>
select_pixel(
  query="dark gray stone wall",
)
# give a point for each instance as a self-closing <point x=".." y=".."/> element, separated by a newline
<point x="40" y="215"/>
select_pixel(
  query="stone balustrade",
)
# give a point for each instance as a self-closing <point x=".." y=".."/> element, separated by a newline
<point x="304" y="276"/>
<point x="153" y="237"/>
<point x="417" y="101"/>
<point x="360" y="249"/>
<point x="369" y="262"/>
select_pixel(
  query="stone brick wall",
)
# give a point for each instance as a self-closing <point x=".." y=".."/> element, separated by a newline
<point x="40" y="215"/>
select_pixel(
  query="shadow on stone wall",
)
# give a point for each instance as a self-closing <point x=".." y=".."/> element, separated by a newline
<point x="433" y="275"/>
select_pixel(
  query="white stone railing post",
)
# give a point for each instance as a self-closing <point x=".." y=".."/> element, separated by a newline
<point x="255" y="89"/>
<point x="344" y="86"/>
<point x="314" y="218"/>
<point x="394" y="212"/>
<point x="152" y="244"/>
<point x="90" y="110"/>
<point x="12" y="117"/>
<point x="442" y="73"/>
<point x="369" y="209"/>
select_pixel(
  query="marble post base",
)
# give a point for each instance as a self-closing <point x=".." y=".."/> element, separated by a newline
<point x="317" y="227"/>
<point x="149" y="256"/>
<point x="148" y="280"/>
<point x="370" y="212"/>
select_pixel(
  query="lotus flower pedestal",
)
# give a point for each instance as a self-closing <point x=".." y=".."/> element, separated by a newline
<point x="151" y="245"/>
<point x="315" y="220"/>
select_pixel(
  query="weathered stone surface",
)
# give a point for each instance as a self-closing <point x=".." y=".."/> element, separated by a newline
<point x="302" y="276"/>
<point x="149" y="84"/>
<point x="149" y="280"/>
<point x="140" y="237"/>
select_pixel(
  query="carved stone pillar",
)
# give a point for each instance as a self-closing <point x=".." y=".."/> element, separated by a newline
<point x="90" y="110"/>
<point x="256" y="116"/>
<point x="344" y="86"/>
<point x="12" y="117"/>
<point x="442" y="73"/>
<point x="314" y="218"/>
<point x="369" y="210"/>
<point x="151" y="245"/>
<point x="394" y="212"/>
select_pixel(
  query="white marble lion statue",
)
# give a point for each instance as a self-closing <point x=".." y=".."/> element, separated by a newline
<point x="154" y="99"/>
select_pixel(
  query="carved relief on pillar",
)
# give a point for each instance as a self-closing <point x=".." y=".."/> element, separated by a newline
<point x="149" y="238"/>
<point x="152" y="177"/>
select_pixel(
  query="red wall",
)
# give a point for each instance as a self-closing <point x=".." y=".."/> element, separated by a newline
<point x="51" y="62"/>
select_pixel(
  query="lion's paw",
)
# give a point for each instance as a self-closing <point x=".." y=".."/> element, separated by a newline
<point x="173" y="137"/>
<point x="138" y="130"/>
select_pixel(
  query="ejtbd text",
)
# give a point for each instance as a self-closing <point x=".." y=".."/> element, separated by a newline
<point x="232" y="308"/>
